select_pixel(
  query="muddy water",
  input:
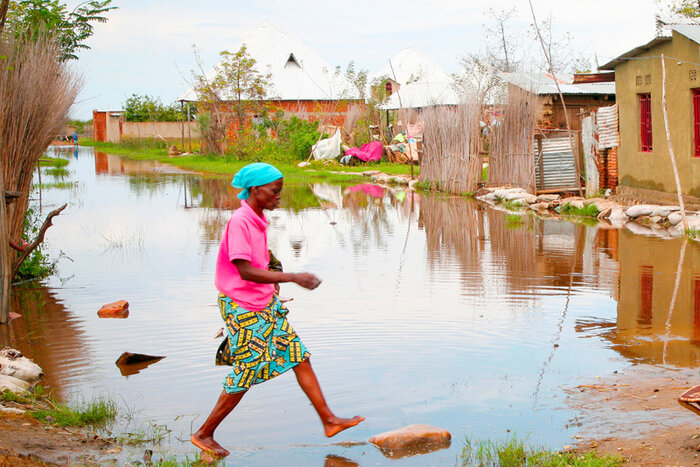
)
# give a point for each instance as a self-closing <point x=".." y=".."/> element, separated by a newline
<point x="432" y="310"/>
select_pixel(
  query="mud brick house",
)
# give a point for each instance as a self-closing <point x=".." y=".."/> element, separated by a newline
<point x="301" y="82"/>
<point x="645" y="170"/>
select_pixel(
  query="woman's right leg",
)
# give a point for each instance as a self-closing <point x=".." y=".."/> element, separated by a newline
<point x="204" y="437"/>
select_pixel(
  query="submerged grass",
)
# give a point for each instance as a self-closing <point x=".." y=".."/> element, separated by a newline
<point x="513" y="452"/>
<point x="57" y="185"/>
<point x="40" y="404"/>
<point x="46" y="161"/>
<point x="330" y="171"/>
<point x="57" y="172"/>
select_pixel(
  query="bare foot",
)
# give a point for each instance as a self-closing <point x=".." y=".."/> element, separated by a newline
<point x="208" y="445"/>
<point x="335" y="425"/>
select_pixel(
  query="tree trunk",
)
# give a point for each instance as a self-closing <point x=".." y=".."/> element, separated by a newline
<point x="5" y="267"/>
<point x="4" y="5"/>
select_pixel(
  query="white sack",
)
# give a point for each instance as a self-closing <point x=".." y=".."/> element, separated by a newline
<point x="328" y="148"/>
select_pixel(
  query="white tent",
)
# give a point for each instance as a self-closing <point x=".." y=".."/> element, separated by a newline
<point x="420" y="94"/>
<point x="410" y="66"/>
<point x="297" y="72"/>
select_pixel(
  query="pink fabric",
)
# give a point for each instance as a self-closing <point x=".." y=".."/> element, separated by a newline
<point x="368" y="152"/>
<point x="245" y="237"/>
<point x="373" y="190"/>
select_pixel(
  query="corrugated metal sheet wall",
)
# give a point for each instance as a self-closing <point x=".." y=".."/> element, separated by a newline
<point x="555" y="168"/>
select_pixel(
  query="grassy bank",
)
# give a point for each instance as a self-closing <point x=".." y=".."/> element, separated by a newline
<point x="316" y="171"/>
<point x="41" y="405"/>
<point x="514" y="453"/>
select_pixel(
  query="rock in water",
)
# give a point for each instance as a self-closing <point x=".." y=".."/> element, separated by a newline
<point x="13" y="363"/>
<point x="119" y="309"/>
<point x="411" y="440"/>
<point x="132" y="363"/>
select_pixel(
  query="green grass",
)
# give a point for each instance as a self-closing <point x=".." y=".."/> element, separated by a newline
<point x="57" y="171"/>
<point x="57" y="185"/>
<point x="514" y="453"/>
<point x="316" y="171"/>
<point x="40" y="404"/>
<point x="46" y="161"/>
<point x="587" y="211"/>
<point x="514" y="219"/>
<point x="151" y="434"/>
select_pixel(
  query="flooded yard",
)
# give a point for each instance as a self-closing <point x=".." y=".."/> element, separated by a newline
<point x="432" y="310"/>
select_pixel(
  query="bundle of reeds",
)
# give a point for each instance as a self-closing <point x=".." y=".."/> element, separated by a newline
<point x="451" y="160"/>
<point x="36" y="93"/>
<point x="511" y="154"/>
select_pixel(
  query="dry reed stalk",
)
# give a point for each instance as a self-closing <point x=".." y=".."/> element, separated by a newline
<point x="512" y="155"/>
<point x="451" y="135"/>
<point x="36" y="93"/>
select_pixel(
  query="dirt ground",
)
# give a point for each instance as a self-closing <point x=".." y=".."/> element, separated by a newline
<point x="27" y="442"/>
<point x="635" y="414"/>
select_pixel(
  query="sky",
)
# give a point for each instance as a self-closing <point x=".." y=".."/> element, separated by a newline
<point x="146" y="47"/>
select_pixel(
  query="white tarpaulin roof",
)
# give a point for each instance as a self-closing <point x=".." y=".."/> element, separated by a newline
<point x="297" y="72"/>
<point x="422" y="94"/>
<point x="410" y="65"/>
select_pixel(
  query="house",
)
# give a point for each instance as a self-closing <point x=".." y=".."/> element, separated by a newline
<point x="644" y="165"/>
<point x="301" y="82"/>
<point x="584" y="95"/>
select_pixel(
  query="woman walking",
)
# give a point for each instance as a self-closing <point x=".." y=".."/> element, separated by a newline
<point x="261" y="343"/>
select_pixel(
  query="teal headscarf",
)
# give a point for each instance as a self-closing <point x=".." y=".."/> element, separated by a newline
<point x="255" y="174"/>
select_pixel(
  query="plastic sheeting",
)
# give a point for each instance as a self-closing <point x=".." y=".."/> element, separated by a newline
<point x="368" y="152"/>
<point x="328" y="148"/>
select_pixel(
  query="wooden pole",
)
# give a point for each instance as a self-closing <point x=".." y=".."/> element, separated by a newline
<point x="561" y="96"/>
<point x="5" y="266"/>
<point x="189" y="126"/>
<point x="670" y="147"/>
<point x="398" y="96"/>
<point x="182" y="124"/>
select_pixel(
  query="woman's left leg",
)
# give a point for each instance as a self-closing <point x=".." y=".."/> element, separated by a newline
<point x="332" y="425"/>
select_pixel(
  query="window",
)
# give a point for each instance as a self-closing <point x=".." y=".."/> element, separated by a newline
<point x="645" y="121"/>
<point x="696" y="120"/>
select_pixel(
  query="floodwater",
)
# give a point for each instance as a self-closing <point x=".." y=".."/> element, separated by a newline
<point x="433" y="310"/>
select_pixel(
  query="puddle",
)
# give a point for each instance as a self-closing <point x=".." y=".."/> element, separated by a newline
<point x="432" y="310"/>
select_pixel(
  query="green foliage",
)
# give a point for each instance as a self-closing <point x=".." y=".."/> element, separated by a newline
<point x="514" y="219"/>
<point x="514" y="453"/>
<point x="37" y="265"/>
<point x="29" y="18"/>
<point x="144" y="108"/>
<point x="298" y="136"/>
<point x="686" y="8"/>
<point x="79" y="124"/>
<point x="58" y="185"/>
<point x="425" y="185"/>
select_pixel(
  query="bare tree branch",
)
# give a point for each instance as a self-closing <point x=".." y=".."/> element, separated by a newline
<point x="39" y="238"/>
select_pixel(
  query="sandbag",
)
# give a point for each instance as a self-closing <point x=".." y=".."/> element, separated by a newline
<point x="328" y="148"/>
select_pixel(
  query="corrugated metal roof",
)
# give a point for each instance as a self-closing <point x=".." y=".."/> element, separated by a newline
<point x="543" y="83"/>
<point x="297" y="72"/>
<point x="634" y="52"/>
<point x="691" y="31"/>
<point x="608" y="134"/>
<point x="422" y="94"/>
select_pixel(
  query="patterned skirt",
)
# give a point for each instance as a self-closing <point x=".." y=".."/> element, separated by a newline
<point x="259" y="344"/>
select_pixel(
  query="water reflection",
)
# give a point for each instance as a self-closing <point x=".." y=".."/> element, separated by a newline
<point x="648" y="329"/>
<point x="48" y="334"/>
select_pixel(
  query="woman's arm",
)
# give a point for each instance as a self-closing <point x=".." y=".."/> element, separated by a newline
<point x="263" y="276"/>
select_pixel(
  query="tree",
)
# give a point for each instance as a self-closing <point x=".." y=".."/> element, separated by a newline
<point x="237" y="89"/>
<point x="144" y="108"/>
<point x="683" y="8"/>
<point x="71" y="29"/>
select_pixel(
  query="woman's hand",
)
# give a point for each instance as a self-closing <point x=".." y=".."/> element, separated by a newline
<point x="307" y="280"/>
